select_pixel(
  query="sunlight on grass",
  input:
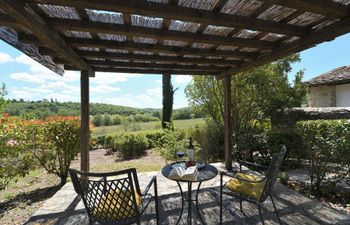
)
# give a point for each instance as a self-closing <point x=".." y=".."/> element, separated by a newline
<point x="109" y="167"/>
<point x="179" y="124"/>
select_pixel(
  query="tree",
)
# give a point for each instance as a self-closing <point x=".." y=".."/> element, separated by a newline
<point x="3" y="101"/>
<point x="97" y="120"/>
<point x="257" y="97"/>
<point x="168" y="100"/>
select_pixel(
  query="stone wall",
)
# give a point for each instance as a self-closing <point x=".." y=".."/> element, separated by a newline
<point x="322" y="96"/>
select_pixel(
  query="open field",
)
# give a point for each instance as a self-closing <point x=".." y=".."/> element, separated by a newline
<point x="180" y="124"/>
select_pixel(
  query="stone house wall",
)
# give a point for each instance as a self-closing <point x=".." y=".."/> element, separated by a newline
<point x="322" y="96"/>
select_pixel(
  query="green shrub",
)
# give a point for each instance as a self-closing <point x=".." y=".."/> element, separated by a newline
<point x="210" y="140"/>
<point x="154" y="137"/>
<point x="326" y="144"/>
<point x="170" y="142"/>
<point x="133" y="145"/>
<point x="15" y="142"/>
<point x="57" y="145"/>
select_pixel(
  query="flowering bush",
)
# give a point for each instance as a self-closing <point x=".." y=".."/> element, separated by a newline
<point x="57" y="144"/>
<point x="15" y="157"/>
<point x="52" y="143"/>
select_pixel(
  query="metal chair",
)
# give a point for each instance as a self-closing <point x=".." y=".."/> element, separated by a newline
<point x="114" y="198"/>
<point x="252" y="188"/>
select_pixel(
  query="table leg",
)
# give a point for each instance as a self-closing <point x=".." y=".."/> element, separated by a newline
<point x="182" y="203"/>
<point x="197" y="205"/>
<point x="189" y="219"/>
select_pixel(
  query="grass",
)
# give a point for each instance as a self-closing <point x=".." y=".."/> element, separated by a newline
<point x="109" y="167"/>
<point x="179" y="124"/>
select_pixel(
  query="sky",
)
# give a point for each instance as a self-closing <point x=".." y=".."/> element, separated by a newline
<point x="27" y="79"/>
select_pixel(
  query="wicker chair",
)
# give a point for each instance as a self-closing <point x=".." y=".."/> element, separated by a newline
<point x="114" y="198"/>
<point x="253" y="188"/>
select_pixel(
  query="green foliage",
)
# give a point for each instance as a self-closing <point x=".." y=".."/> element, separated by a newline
<point x="133" y="145"/>
<point x="57" y="144"/>
<point x="97" y="120"/>
<point x="3" y="101"/>
<point x="258" y="96"/>
<point x="210" y="139"/>
<point x="168" y="100"/>
<point x="15" y="159"/>
<point x="127" y="145"/>
<point x="170" y="142"/>
<point x="42" y="110"/>
<point x="325" y="142"/>
<point x="283" y="177"/>
<point x="154" y="137"/>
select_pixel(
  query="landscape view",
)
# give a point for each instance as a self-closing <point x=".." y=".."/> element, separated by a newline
<point x="250" y="98"/>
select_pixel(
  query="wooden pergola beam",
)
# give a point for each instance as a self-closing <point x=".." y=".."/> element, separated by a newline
<point x="144" y="71"/>
<point x="228" y="122"/>
<point x="156" y="66"/>
<point x="17" y="10"/>
<point x="84" y="120"/>
<point x="154" y="58"/>
<point x="7" y="21"/>
<point x="326" y="34"/>
<point x="77" y="42"/>
<point x="172" y="12"/>
<point x="155" y="48"/>
<point x="160" y="34"/>
<point x="328" y="8"/>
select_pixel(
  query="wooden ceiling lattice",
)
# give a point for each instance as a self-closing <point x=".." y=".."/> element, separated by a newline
<point x="195" y="37"/>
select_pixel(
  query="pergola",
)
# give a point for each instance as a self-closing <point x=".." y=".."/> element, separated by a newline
<point x="193" y="37"/>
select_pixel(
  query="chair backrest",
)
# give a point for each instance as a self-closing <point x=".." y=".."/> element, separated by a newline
<point x="272" y="172"/>
<point x="109" y="198"/>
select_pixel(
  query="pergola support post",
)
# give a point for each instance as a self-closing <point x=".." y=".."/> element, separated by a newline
<point x="84" y="121"/>
<point x="228" y="122"/>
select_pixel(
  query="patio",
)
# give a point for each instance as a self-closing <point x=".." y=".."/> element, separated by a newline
<point x="66" y="208"/>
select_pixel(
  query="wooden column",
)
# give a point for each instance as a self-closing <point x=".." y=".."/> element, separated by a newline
<point x="84" y="121"/>
<point x="228" y="122"/>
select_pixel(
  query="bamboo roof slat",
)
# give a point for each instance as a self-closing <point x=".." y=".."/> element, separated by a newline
<point x="224" y="36"/>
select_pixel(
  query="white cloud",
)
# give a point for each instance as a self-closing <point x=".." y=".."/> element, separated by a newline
<point x="139" y="101"/>
<point x="27" y="77"/>
<point x="157" y="91"/>
<point x="41" y="72"/>
<point x="158" y="81"/>
<point x="61" y="86"/>
<point x="181" y="79"/>
<point x="28" y="93"/>
<point x="5" y="58"/>
<point x="64" y="97"/>
<point x="111" y="78"/>
<point x="104" y="89"/>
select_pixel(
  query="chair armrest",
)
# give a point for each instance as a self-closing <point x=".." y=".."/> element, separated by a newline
<point x="152" y="181"/>
<point x="241" y="179"/>
<point x="246" y="163"/>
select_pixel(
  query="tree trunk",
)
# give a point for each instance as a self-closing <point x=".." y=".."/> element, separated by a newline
<point x="168" y="100"/>
<point x="63" y="180"/>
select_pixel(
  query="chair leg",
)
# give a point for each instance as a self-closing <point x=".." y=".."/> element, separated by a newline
<point x="274" y="206"/>
<point x="138" y="222"/>
<point x="156" y="201"/>
<point x="260" y="214"/>
<point x="221" y="199"/>
<point x="241" y="205"/>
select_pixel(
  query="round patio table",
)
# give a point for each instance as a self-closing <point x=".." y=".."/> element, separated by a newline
<point x="207" y="172"/>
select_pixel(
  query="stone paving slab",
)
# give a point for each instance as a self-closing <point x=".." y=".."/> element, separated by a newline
<point x="65" y="207"/>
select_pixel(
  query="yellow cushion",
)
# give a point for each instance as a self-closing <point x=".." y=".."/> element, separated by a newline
<point x="253" y="190"/>
<point x="121" y="200"/>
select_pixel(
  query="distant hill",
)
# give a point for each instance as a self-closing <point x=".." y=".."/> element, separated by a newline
<point x="44" y="109"/>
